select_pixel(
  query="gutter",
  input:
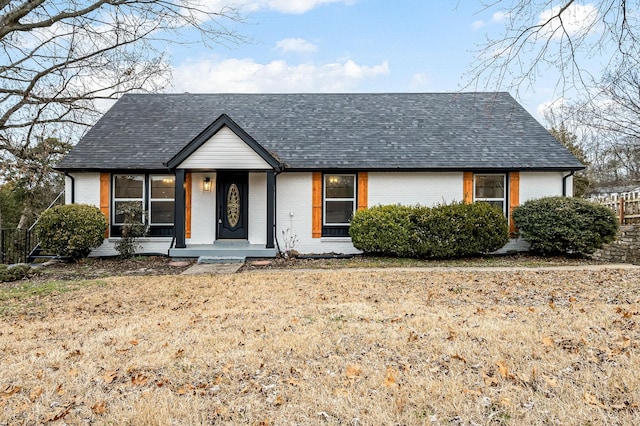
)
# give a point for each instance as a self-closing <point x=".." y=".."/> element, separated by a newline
<point x="564" y="183"/>
<point x="73" y="187"/>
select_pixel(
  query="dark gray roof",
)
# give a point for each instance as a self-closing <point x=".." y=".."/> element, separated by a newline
<point x="386" y="131"/>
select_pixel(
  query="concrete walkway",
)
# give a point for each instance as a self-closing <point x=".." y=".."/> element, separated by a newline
<point x="213" y="269"/>
<point x="231" y="268"/>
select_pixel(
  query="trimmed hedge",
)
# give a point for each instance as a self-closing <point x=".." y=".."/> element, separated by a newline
<point x="560" y="225"/>
<point x="444" y="231"/>
<point x="71" y="230"/>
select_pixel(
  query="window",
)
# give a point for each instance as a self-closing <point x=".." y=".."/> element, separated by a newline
<point x="128" y="194"/>
<point x="162" y="200"/>
<point x="152" y="197"/>
<point x="491" y="189"/>
<point x="339" y="204"/>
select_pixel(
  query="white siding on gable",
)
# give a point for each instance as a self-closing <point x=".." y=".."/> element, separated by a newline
<point x="203" y="210"/>
<point x="410" y="188"/>
<point x="542" y="184"/>
<point x="225" y="150"/>
<point x="87" y="189"/>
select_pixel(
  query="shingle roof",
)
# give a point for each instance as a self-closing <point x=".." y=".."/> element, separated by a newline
<point x="383" y="131"/>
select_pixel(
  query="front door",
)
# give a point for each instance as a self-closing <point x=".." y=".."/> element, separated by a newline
<point x="232" y="201"/>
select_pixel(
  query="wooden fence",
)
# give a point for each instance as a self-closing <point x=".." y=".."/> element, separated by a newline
<point x="625" y="204"/>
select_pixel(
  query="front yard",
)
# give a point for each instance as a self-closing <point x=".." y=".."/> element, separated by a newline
<point x="325" y="347"/>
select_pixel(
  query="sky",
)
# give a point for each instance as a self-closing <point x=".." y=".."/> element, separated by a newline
<point x="351" y="46"/>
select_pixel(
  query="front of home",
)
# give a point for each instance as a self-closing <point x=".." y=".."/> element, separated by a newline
<point x="227" y="173"/>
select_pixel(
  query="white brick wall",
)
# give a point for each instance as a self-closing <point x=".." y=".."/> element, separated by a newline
<point x="542" y="184"/>
<point x="203" y="210"/>
<point x="294" y="204"/>
<point x="257" y="208"/>
<point x="427" y="189"/>
<point x="87" y="189"/>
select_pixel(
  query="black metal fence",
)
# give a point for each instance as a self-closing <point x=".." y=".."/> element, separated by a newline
<point x="16" y="245"/>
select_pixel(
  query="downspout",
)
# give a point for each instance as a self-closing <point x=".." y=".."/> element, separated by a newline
<point x="275" y="210"/>
<point x="73" y="187"/>
<point x="564" y="183"/>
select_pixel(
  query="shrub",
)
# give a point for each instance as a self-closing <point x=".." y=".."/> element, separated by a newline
<point x="559" y="225"/>
<point x="15" y="272"/>
<point x="459" y="229"/>
<point x="133" y="228"/>
<point x="383" y="230"/>
<point x="443" y="231"/>
<point x="71" y="230"/>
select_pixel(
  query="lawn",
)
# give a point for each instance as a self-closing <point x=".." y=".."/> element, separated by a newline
<point x="325" y="347"/>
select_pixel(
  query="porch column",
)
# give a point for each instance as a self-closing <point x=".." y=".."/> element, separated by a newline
<point x="179" y="210"/>
<point x="271" y="207"/>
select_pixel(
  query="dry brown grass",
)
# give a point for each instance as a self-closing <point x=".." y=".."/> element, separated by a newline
<point x="349" y="347"/>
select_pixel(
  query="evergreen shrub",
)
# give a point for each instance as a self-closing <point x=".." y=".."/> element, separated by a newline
<point x="444" y="231"/>
<point x="561" y="225"/>
<point x="71" y="230"/>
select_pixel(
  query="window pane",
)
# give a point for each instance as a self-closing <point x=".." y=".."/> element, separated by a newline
<point x="339" y="186"/>
<point x="128" y="186"/>
<point x="497" y="204"/>
<point x="163" y="187"/>
<point x="490" y="186"/>
<point x="125" y="208"/>
<point x="338" y="211"/>
<point x="162" y="212"/>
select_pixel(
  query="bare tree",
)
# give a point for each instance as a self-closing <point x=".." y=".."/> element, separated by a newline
<point x="62" y="60"/>
<point x="59" y="57"/>
<point x="567" y="35"/>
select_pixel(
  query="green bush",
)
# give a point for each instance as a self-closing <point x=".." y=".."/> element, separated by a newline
<point x="444" y="231"/>
<point x="15" y="272"/>
<point x="456" y="230"/>
<point x="71" y="230"/>
<point x="383" y="230"/>
<point x="559" y="225"/>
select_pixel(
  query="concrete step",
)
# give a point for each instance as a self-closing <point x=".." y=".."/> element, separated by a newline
<point x="221" y="259"/>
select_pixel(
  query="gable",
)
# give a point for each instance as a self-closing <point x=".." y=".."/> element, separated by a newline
<point x="224" y="150"/>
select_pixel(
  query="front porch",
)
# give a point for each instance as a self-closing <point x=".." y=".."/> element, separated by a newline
<point x="223" y="249"/>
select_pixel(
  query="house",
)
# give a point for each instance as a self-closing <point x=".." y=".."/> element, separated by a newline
<point x="240" y="173"/>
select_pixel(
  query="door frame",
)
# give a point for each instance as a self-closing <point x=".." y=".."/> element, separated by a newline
<point x="223" y="180"/>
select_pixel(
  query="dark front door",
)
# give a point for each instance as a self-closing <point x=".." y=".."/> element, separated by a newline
<point x="232" y="201"/>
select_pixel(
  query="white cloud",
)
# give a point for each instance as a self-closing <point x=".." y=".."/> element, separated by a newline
<point x="476" y="25"/>
<point x="283" y="6"/>
<point x="576" y="19"/>
<point x="248" y="76"/>
<point x="496" y="18"/>
<point x="420" y="81"/>
<point x="296" y="45"/>
<point x="499" y="16"/>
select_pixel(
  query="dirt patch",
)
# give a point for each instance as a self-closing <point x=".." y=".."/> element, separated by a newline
<point x="91" y="268"/>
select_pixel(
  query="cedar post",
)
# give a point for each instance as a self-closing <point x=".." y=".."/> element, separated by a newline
<point x="621" y="210"/>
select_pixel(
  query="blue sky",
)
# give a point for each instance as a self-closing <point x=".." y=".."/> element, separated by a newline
<point x="350" y="46"/>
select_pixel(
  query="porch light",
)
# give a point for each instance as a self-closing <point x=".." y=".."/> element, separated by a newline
<point x="206" y="184"/>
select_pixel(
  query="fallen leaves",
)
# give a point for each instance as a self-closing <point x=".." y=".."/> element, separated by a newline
<point x="353" y="371"/>
<point x="499" y="350"/>
<point x="390" y="377"/>
<point x="10" y="390"/>
<point x="139" y="379"/>
<point x="100" y="407"/>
